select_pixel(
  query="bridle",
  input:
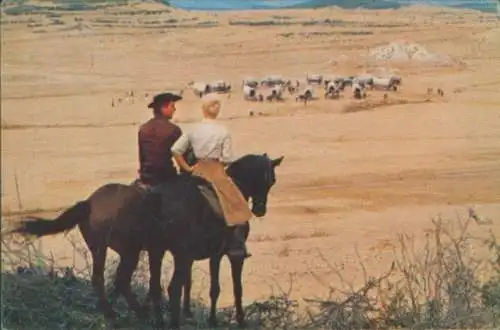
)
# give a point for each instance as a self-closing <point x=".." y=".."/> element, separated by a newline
<point x="268" y="176"/>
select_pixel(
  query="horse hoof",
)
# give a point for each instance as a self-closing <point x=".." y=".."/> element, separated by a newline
<point x="143" y="312"/>
<point x="159" y="326"/>
<point x="212" y="322"/>
<point x="188" y="314"/>
<point x="241" y="321"/>
<point x="110" y="314"/>
<point x="146" y="307"/>
<point x="174" y="326"/>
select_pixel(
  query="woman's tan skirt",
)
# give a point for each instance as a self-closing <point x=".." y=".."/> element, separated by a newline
<point x="233" y="204"/>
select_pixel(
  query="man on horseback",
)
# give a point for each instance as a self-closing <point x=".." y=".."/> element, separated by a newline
<point x="156" y="138"/>
<point x="211" y="145"/>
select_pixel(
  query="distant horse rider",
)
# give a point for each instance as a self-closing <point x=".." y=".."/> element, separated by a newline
<point x="156" y="138"/>
<point x="211" y="145"/>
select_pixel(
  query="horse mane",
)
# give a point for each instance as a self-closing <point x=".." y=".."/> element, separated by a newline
<point x="242" y="159"/>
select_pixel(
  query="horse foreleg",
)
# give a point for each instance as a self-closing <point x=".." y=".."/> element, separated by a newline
<point x="181" y="264"/>
<point x="187" y="291"/>
<point x="99" y="262"/>
<point x="236" y="272"/>
<point x="155" y="289"/>
<point x="214" y="289"/>
<point x="126" y="268"/>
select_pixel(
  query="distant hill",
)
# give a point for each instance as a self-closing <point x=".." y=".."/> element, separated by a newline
<point x="482" y="5"/>
<point x="19" y="7"/>
<point x="350" y="4"/>
<point x="13" y="7"/>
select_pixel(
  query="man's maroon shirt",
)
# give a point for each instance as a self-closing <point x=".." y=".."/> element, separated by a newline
<point x="156" y="138"/>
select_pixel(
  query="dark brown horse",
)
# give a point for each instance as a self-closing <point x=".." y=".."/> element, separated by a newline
<point x="176" y="218"/>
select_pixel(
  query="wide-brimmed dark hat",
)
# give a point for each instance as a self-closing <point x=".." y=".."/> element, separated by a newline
<point x="163" y="98"/>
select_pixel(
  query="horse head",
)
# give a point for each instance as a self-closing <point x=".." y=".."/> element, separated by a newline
<point x="255" y="175"/>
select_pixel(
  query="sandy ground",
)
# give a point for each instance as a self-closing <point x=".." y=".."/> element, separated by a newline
<point x="355" y="173"/>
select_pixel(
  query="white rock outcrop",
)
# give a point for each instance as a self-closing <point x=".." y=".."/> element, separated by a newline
<point x="408" y="51"/>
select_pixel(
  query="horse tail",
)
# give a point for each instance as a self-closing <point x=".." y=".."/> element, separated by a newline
<point x="66" y="221"/>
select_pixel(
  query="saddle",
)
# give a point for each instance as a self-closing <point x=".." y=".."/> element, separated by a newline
<point x="206" y="188"/>
<point x="208" y="192"/>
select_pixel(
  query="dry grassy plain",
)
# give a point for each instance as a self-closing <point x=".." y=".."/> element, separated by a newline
<point x="355" y="173"/>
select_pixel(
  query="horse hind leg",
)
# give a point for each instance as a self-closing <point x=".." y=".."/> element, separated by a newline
<point x="214" y="289"/>
<point x="181" y="263"/>
<point x="126" y="268"/>
<point x="155" y="289"/>
<point x="187" y="292"/>
<point x="99" y="262"/>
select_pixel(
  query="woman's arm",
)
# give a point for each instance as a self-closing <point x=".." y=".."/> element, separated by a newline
<point x="181" y="162"/>
<point x="227" y="150"/>
<point x="178" y="149"/>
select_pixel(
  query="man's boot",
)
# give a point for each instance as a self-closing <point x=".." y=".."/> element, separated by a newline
<point x="237" y="246"/>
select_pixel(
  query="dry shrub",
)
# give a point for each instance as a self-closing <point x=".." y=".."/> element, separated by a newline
<point x="278" y="311"/>
<point x="437" y="286"/>
<point x="39" y="294"/>
<point x="440" y="285"/>
<point x="490" y="291"/>
<point x="354" y="309"/>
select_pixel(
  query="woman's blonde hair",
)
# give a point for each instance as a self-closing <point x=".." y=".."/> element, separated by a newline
<point x="207" y="104"/>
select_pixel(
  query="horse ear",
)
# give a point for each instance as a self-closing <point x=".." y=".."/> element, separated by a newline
<point x="277" y="161"/>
